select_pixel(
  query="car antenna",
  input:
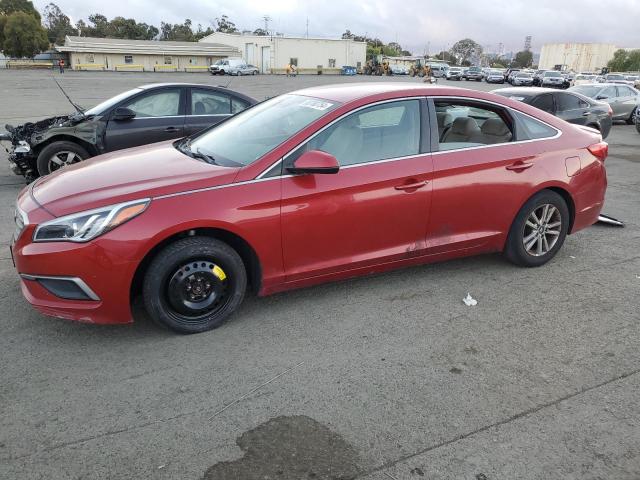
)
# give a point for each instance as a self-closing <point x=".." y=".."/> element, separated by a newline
<point x="80" y="111"/>
<point x="228" y="83"/>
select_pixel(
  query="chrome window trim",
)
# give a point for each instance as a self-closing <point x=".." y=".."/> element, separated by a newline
<point x="261" y="178"/>
<point x="346" y="114"/>
<point x="81" y="284"/>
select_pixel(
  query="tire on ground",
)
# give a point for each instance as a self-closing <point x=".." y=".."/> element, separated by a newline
<point x="50" y="150"/>
<point x="515" y="250"/>
<point x="169" y="260"/>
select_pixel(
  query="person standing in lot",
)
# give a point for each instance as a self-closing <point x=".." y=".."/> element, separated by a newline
<point x="61" y="65"/>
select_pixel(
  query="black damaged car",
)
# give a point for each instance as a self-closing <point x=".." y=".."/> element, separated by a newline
<point x="146" y="114"/>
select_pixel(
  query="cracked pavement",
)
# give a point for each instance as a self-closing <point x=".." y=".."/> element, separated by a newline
<point x="540" y="380"/>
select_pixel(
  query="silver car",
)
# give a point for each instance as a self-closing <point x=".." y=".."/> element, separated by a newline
<point x="232" y="66"/>
<point x="623" y="99"/>
<point x="552" y="78"/>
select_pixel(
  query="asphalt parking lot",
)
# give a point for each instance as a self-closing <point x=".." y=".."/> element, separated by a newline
<point x="385" y="377"/>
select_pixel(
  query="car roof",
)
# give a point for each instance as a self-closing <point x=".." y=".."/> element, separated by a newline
<point x="345" y="93"/>
<point x="152" y="86"/>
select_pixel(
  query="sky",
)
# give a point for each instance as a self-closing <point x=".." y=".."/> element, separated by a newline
<point x="420" y="26"/>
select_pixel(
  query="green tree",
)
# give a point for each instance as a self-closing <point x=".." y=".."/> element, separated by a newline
<point x="179" y="32"/>
<point x="465" y="50"/>
<point x="446" y="57"/>
<point x="523" y="59"/>
<point x="633" y="61"/>
<point x="24" y="36"/>
<point x="3" y="22"/>
<point x="7" y="7"/>
<point x="618" y="62"/>
<point x="261" y="32"/>
<point x="223" y="24"/>
<point x="57" y="24"/>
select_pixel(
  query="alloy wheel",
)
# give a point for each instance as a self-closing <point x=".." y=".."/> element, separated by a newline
<point x="62" y="158"/>
<point x="542" y="230"/>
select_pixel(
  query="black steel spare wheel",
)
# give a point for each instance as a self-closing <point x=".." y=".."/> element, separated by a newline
<point x="197" y="289"/>
<point x="194" y="284"/>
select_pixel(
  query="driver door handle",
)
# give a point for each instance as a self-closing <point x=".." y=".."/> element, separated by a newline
<point x="519" y="166"/>
<point x="171" y="129"/>
<point x="411" y="186"/>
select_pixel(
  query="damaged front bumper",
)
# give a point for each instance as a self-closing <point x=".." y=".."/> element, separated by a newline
<point x="20" y="157"/>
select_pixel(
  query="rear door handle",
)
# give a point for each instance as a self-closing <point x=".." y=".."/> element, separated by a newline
<point x="171" y="129"/>
<point x="585" y="114"/>
<point x="411" y="186"/>
<point x="519" y="166"/>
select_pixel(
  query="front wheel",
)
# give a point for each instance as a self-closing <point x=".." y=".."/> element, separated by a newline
<point x="539" y="230"/>
<point x="59" y="154"/>
<point x="632" y="116"/>
<point x="194" y="284"/>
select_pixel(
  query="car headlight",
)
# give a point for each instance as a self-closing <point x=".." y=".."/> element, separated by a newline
<point x="85" y="226"/>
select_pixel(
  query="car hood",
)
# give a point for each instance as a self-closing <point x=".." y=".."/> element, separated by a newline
<point x="141" y="172"/>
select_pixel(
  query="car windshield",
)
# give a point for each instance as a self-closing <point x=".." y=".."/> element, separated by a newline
<point x="246" y="137"/>
<point x="615" y="77"/>
<point x="523" y="75"/>
<point x="107" y="104"/>
<point x="552" y="74"/>
<point x="590" y="91"/>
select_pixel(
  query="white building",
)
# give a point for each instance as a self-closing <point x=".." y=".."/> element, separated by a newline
<point x="271" y="54"/>
<point x="579" y="57"/>
<point x="87" y="53"/>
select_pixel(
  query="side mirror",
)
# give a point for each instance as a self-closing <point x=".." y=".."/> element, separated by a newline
<point x="123" y="113"/>
<point x="601" y="97"/>
<point x="314" y="161"/>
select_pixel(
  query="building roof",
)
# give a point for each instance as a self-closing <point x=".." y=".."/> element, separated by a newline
<point x="219" y="35"/>
<point x="148" y="47"/>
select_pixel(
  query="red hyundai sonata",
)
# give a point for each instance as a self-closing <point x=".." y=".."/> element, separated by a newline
<point x="321" y="184"/>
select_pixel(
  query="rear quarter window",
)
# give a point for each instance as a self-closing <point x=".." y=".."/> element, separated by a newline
<point x="531" y="129"/>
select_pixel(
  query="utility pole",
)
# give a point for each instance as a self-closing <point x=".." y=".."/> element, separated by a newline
<point x="307" y="34"/>
<point x="266" y="19"/>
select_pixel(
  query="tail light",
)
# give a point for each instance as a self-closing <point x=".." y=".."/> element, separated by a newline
<point x="610" y="112"/>
<point x="599" y="150"/>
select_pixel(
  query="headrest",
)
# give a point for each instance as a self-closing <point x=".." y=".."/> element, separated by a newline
<point x="464" y="126"/>
<point x="444" y="119"/>
<point x="496" y="127"/>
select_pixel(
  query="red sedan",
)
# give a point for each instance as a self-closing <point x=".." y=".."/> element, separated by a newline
<point x="321" y="184"/>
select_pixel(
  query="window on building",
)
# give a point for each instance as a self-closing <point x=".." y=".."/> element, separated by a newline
<point x="359" y="65"/>
<point x="128" y="59"/>
<point x="293" y="61"/>
<point x="332" y="63"/>
<point x="167" y="60"/>
<point x="90" y="58"/>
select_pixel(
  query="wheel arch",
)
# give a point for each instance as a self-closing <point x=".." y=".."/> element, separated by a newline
<point x="66" y="138"/>
<point x="247" y="253"/>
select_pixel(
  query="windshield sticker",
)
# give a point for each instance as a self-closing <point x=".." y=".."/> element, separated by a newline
<point x="316" y="104"/>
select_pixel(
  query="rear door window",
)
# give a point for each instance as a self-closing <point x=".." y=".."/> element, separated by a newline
<point x="472" y="124"/>
<point x="544" y="102"/>
<point x="567" y="102"/>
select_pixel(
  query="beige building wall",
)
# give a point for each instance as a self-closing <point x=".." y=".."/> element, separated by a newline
<point x="274" y="53"/>
<point x="579" y="57"/>
<point x="146" y="62"/>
